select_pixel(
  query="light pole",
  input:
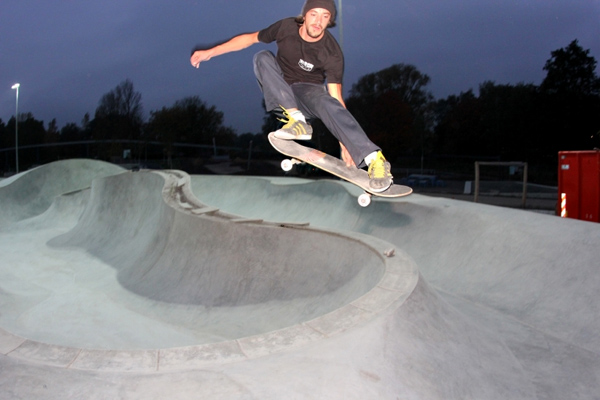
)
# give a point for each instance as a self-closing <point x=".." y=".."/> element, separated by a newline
<point x="17" y="86"/>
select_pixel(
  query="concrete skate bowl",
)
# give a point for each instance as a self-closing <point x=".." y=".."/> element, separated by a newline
<point x="167" y="251"/>
<point x="197" y="275"/>
<point x="506" y="306"/>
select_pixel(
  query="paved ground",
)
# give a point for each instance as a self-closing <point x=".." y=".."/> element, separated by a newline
<point x="153" y="285"/>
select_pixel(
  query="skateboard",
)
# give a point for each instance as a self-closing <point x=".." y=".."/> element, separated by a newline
<point x="334" y="166"/>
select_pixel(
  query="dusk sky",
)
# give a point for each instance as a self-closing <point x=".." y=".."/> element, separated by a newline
<point x="66" y="54"/>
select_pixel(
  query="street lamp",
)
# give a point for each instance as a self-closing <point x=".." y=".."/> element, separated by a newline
<point x="16" y="86"/>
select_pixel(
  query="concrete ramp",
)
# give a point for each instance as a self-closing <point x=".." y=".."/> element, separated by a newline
<point x="30" y="193"/>
<point x="249" y="276"/>
<point x="158" y="285"/>
<point x="528" y="278"/>
<point x="539" y="269"/>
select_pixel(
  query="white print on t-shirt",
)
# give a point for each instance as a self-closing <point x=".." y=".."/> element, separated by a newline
<point x="305" y="65"/>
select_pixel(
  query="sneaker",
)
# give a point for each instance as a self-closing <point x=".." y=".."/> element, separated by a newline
<point x="293" y="129"/>
<point x="380" y="177"/>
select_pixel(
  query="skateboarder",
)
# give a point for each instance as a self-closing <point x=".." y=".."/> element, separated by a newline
<point x="304" y="80"/>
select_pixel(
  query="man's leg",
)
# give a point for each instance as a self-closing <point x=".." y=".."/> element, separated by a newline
<point x="275" y="89"/>
<point x="280" y="98"/>
<point x="317" y="102"/>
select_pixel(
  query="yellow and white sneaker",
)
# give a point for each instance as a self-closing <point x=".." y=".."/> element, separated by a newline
<point x="380" y="176"/>
<point x="293" y="129"/>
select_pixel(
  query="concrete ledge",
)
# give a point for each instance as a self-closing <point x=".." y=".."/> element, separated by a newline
<point x="393" y="289"/>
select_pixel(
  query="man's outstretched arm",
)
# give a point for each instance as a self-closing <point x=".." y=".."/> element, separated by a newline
<point x="237" y="43"/>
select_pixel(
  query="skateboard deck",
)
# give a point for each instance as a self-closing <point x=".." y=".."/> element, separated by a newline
<point x="334" y="166"/>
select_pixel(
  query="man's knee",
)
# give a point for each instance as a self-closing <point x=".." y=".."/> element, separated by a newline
<point x="262" y="57"/>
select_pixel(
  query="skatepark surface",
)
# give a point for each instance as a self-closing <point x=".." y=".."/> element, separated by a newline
<point x="160" y="285"/>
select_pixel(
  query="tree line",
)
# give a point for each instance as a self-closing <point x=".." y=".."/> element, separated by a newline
<point x="117" y="132"/>
<point x="521" y="122"/>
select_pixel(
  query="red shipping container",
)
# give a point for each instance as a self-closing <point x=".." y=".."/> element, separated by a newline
<point x="579" y="185"/>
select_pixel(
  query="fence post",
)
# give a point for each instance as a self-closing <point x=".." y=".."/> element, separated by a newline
<point x="476" y="181"/>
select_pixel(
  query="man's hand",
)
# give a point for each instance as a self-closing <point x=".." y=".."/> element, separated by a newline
<point x="200" y="56"/>
<point x="234" y="44"/>
<point x="346" y="157"/>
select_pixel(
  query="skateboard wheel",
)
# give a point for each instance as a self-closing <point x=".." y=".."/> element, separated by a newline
<point x="287" y="165"/>
<point x="364" y="200"/>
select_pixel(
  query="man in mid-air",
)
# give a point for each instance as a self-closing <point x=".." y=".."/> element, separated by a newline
<point x="304" y="81"/>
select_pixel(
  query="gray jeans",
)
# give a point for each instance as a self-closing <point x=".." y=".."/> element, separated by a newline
<point x="315" y="102"/>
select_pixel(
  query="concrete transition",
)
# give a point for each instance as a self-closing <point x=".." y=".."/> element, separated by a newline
<point x="158" y="285"/>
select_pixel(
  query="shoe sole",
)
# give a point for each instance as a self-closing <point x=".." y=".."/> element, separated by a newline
<point x="287" y="136"/>
<point x="375" y="190"/>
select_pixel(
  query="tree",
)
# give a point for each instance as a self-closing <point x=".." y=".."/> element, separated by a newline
<point x="122" y="101"/>
<point x="404" y="80"/>
<point x="510" y="121"/>
<point x="86" y="126"/>
<point x="52" y="133"/>
<point x="571" y="70"/>
<point x="458" y="124"/>
<point x="119" y="116"/>
<point x="3" y="134"/>
<point x="572" y="102"/>
<point x="393" y="107"/>
<point x="31" y="133"/>
<point x="72" y="133"/>
<point x="3" y="143"/>
<point x="504" y="121"/>
<point x="188" y="121"/>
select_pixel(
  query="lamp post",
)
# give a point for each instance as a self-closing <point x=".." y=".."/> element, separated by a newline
<point x="16" y="86"/>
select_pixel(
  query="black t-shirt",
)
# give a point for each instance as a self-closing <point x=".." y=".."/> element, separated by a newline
<point x="302" y="61"/>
